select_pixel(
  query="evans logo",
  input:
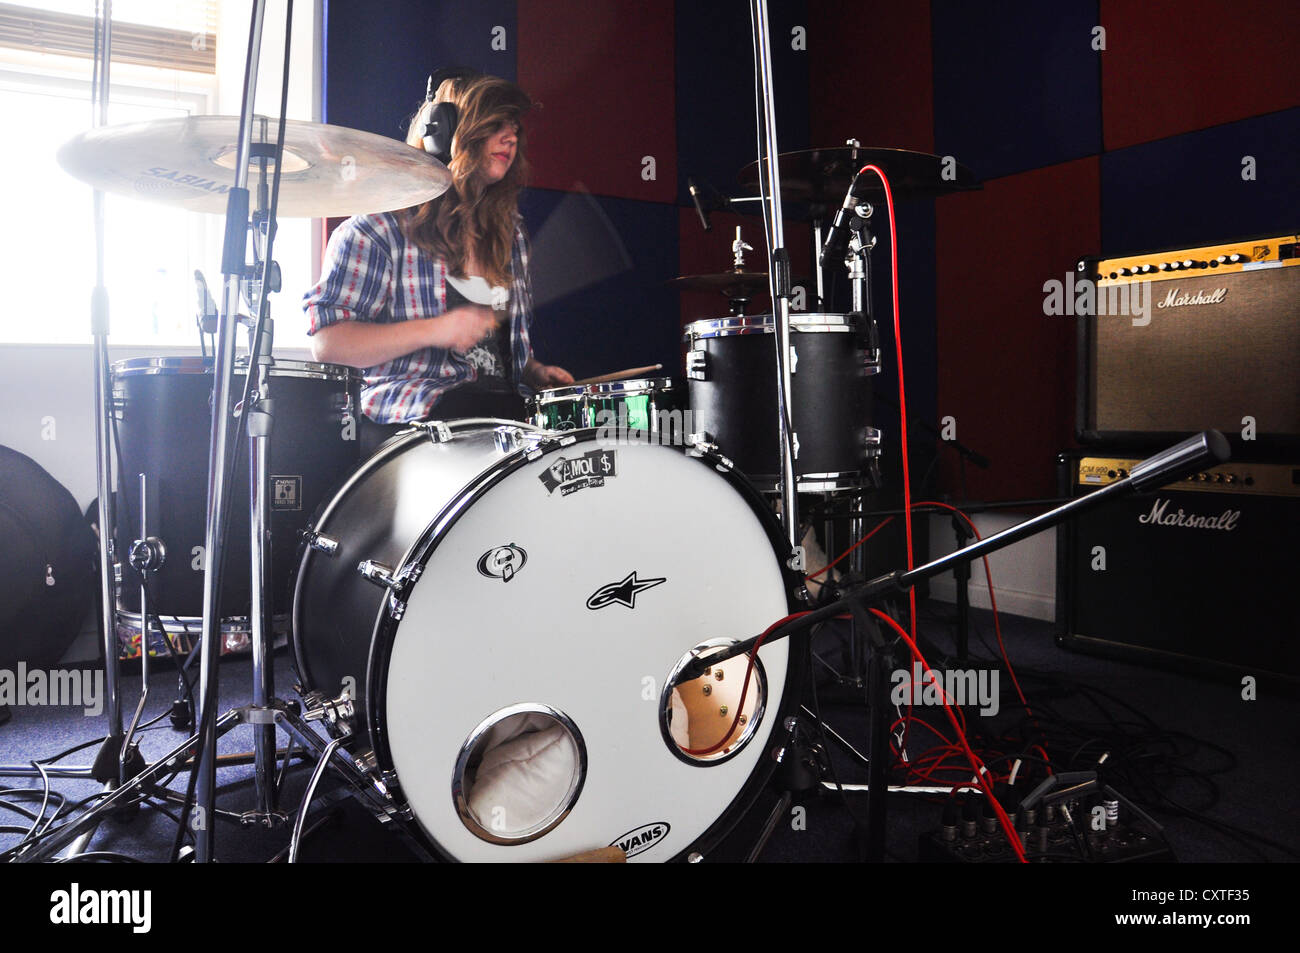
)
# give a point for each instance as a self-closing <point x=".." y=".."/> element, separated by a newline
<point x="642" y="838"/>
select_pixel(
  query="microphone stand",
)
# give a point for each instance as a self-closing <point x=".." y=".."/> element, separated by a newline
<point x="778" y="273"/>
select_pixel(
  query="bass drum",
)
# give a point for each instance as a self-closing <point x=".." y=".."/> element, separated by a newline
<point x="530" y="597"/>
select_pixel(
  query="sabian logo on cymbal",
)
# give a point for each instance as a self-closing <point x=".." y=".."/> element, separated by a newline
<point x="193" y="181"/>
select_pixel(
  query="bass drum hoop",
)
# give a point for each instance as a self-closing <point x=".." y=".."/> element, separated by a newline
<point x="334" y="499"/>
<point x="385" y="629"/>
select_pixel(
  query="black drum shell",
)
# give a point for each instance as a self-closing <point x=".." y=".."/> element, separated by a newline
<point x="162" y="425"/>
<point x="831" y="392"/>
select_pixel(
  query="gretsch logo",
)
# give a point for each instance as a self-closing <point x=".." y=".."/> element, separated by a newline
<point x="642" y="838"/>
<point x="1226" y="521"/>
<point x="1174" y="300"/>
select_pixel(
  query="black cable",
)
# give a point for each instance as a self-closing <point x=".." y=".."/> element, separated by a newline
<point x="99" y="856"/>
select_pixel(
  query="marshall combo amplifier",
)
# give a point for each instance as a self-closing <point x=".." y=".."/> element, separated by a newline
<point x="1175" y="342"/>
<point x="1199" y="575"/>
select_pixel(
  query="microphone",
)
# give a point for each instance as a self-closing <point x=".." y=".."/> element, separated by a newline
<point x="699" y="207"/>
<point x="207" y="316"/>
<point x="837" y="237"/>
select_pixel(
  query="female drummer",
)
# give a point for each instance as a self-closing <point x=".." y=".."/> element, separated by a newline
<point x="434" y="302"/>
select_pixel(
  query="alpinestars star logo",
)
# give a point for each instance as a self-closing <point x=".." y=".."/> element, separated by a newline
<point x="623" y="592"/>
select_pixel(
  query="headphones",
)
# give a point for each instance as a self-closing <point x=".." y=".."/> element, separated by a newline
<point x="440" y="130"/>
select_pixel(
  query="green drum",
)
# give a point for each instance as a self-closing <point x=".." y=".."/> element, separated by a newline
<point x="650" y="405"/>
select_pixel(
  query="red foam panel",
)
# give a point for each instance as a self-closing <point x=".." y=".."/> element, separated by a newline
<point x="872" y="76"/>
<point x="1169" y="69"/>
<point x="1006" y="370"/>
<point x="604" y="74"/>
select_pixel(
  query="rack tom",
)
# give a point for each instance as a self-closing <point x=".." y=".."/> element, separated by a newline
<point x="731" y="375"/>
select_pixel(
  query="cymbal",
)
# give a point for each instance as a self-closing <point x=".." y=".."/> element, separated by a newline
<point x="737" y="283"/>
<point x="190" y="162"/>
<point x="822" y="176"/>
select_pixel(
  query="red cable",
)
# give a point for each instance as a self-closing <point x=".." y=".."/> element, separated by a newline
<point x="980" y="777"/>
<point x="902" y="398"/>
<point x="993" y="601"/>
<point x="846" y="552"/>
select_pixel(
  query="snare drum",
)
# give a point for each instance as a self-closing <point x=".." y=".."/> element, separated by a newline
<point x="731" y="375"/>
<point x="646" y="405"/>
<point x="163" y="414"/>
<point x="505" y="609"/>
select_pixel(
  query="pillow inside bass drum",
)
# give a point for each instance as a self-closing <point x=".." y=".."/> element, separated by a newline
<point x="47" y="564"/>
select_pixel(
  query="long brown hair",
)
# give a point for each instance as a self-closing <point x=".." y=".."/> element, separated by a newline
<point x="473" y="215"/>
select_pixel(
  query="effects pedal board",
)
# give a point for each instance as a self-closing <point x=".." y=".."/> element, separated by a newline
<point x="1077" y="831"/>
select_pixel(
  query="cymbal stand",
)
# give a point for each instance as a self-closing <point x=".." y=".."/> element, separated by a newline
<point x="99" y="325"/>
<point x="108" y="767"/>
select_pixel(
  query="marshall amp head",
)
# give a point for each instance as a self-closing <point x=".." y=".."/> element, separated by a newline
<point x="1179" y="341"/>
<point x="1198" y="575"/>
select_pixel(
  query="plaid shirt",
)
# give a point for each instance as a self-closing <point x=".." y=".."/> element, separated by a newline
<point x="373" y="273"/>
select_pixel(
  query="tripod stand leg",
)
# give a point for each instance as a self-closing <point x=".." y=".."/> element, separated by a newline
<point x="782" y="809"/>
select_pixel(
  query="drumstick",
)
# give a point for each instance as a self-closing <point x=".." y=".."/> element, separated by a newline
<point x="619" y="375"/>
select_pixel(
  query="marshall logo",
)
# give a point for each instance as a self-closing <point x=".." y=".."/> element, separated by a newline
<point x="1174" y="300"/>
<point x="1226" y="522"/>
<point x="623" y="592"/>
<point x="502" y="563"/>
<point x="578" y="473"/>
<point x="642" y="839"/>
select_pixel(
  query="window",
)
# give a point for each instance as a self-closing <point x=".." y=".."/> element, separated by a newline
<point x="170" y="59"/>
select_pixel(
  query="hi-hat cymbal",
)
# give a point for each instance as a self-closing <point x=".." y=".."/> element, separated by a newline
<point x="190" y="162"/>
<point x="737" y="283"/>
<point x="822" y="176"/>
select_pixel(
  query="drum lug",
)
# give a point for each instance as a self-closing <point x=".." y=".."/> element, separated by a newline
<point x="436" y="430"/>
<point x="378" y="573"/>
<point x="794" y="359"/>
<point x="697" y="365"/>
<point x="323" y="544"/>
<point x="509" y="439"/>
<point x="702" y="442"/>
<point x="335" y="713"/>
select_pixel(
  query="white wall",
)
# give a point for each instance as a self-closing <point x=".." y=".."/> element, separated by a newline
<point x="1024" y="574"/>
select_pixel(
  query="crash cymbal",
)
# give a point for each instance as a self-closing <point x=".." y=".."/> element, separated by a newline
<point x="189" y="162"/>
<point x="737" y="283"/>
<point x="822" y="176"/>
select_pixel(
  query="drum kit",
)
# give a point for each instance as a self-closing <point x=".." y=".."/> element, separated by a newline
<point x="521" y="640"/>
